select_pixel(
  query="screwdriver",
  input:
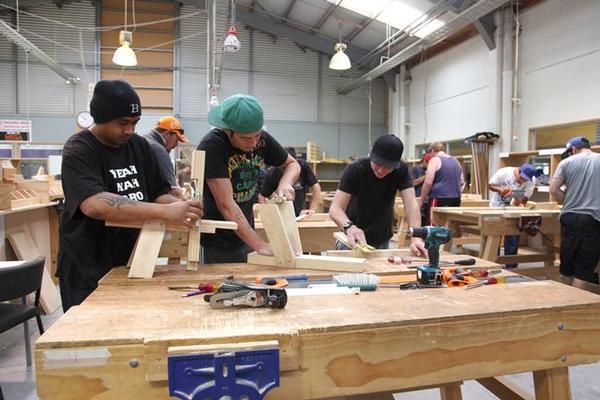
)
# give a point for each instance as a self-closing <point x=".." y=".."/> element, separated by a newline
<point x="464" y="261"/>
<point x="204" y="288"/>
<point x="489" y="281"/>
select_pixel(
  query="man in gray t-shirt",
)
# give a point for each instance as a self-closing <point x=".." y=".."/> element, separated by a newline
<point x="579" y="171"/>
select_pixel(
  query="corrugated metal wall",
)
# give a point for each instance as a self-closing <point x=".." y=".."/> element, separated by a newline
<point x="193" y="80"/>
<point x="7" y="81"/>
<point x="48" y="94"/>
<point x="283" y="76"/>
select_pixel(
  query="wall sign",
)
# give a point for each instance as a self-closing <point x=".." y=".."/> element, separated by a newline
<point x="15" y="130"/>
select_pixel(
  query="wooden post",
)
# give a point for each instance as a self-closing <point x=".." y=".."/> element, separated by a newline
<point x="193" y="256"/>
<point x="552" y="384"/>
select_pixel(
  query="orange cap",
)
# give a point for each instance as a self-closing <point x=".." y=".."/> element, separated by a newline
<point x="172" y="124"/>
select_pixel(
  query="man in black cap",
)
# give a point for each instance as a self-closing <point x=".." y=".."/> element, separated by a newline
<point x="363" y="205"/>
<point x="109" y="174"/>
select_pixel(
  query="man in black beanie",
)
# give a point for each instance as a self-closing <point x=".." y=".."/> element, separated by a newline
<point x="363" y="205"/>
<point x="109" y="174"/>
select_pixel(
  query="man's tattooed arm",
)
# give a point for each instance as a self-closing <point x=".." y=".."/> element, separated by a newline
<point x="114" y="200"/>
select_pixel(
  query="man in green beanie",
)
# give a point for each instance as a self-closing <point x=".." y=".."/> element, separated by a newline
<point x="236" y="149"/>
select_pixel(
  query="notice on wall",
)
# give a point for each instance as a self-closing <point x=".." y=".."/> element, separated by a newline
<point x="15" y="130"/>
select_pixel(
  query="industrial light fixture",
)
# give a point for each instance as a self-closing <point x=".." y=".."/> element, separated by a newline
<point x="232" y="44"/>
<point x="124" y="55"/>
<point x="214" y="101"/>
<point x="340" y="60"/>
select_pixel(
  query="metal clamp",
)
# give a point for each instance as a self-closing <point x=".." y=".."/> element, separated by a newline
<point x="241" y="375"/>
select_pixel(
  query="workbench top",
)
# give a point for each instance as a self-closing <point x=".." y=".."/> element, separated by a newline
<point x="177" y="274"/>
<point x="119" y="315"/>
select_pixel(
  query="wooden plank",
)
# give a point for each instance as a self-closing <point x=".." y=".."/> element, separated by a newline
<point x="197" y="176"/>
<point x="552" y="384"/>
<point x="25" y="249"/>
<point x="349" y="264"/>
<point x="288" y="216"/>
<point x="277" y="234"/>
<point x="259" y="259"/>
<point x="146" y="249"/>
<point x="504" y="389"/>
<point x="206" y="225"/>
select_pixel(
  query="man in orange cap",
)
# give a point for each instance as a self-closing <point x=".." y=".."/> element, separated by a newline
<point x="163" y="138"/>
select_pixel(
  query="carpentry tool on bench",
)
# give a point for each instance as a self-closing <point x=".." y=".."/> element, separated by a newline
<point x="242" y="294"/>
<point x="365" y="248"/>
<point x="434" y="237"/>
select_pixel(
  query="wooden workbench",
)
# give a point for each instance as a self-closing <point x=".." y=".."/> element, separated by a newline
<point x="316" y="232"/>
<point x="338" y="345"/>
<point x="178" y="274"/>
<point x="492" y="224"/>
<point x="33" y="231"/>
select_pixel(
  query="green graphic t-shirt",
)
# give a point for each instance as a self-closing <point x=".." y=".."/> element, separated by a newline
<point x="242" y="169"/>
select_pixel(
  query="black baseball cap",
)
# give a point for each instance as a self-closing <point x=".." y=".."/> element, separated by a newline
<point x="387" y="150"/>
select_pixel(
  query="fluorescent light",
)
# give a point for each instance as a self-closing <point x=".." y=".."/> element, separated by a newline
<point x="124" y="55"/>
<point x="397" y="14"/>
<point x="340" y="60"/>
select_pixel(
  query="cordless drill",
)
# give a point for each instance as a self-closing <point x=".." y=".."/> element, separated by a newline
<point x="433" y="236"/>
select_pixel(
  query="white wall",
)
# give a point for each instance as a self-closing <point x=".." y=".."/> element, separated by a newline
<point x="450" y="96"/>
<point x="560" y="64"/>
<point x="559" y="78"/>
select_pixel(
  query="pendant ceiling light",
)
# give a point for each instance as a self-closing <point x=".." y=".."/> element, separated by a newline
<point x="232" y="44"/>
<point x="340" y="60"/>
<point x="124" y="55"/>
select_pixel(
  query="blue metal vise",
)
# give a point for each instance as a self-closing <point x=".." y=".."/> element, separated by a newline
<point x="240" y="375"/>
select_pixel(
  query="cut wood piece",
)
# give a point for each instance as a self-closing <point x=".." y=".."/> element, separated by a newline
<point x="206" y="225"/>
<point x="326" y="263"/>
<point x="197" y="175"/>
<point x="288" y="215"/>
<point x="146" y="249"/>
<point x="277" y="234"/>
<point x="259" y="259"/>
<point x="25" y="249"/>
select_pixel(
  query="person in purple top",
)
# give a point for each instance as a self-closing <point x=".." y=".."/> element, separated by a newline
<point x="444" y="180"/>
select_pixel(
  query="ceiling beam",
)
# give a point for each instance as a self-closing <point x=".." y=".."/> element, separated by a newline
<point x="317" y="42"/>
<point x="289" y="9"/>
<point x="326" y="15"/>
<point x="486" y="26"/>
<point x="364" y="24"/>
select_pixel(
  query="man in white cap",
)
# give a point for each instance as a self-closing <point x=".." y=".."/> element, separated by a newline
<point x="163" y="138"/>
<point x="236" y="149"/>
<point x="109" y="174"/>
<point x="579" y="171"/>
<point x="363" y="205"/>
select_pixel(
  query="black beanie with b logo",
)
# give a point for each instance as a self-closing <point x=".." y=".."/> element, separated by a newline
<point x="113" y="100"/>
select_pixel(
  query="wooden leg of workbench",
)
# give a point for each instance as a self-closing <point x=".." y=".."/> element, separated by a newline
<point x="492" y="244"/>
<point x="451" y="392"/>
<point x="552" y="384"/>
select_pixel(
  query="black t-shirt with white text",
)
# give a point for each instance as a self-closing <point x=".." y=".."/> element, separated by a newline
<point x="371" y="206"/>
<point x="88" y="249"/>
<point x="222" y="160"/>
<point x="305" y="181"/>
